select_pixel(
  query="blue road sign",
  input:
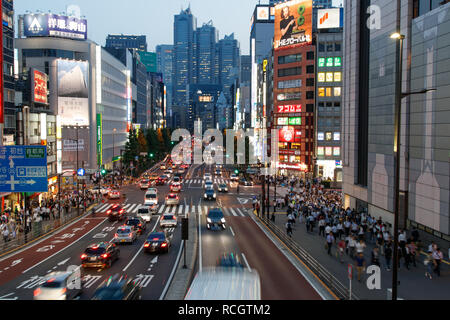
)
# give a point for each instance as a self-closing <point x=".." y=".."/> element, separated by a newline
<point x="81" y="172"/>
<point x="23" y="169"/>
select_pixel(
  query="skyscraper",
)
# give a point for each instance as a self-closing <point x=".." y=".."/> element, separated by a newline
<point x="164" y="57"/>
<point x="206" y="56"/>
<point x="126" y="41"/>
<point x="183" y="56"/>
<point x="229" y="62"/>
<point x="246" y="69"/>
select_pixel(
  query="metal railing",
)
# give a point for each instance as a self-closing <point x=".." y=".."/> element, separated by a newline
<point x="341" y="291"/>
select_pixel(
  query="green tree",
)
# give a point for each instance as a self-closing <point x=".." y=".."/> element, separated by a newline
<point x="131" y="149"/>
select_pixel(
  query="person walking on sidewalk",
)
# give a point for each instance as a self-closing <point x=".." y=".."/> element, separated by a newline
<point x="412" y="252"/>
<point x="437" y="256"/>
<point x="341" y="248"/>
<point x="322" y="227"/>
<point x="330" y="240"/>
<point x="289" y="228"/>
<point x="375" y="257"/>
<point x="388" y="255"/>
<point x="360" y="265"/>
<point x="428" y="262"/>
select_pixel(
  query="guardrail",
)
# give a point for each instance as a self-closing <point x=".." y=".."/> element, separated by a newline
<point x="341" y="291"/>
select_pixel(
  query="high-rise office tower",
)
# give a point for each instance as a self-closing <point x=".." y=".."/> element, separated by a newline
<point x="126" y="41"/>
<point x="207" y="68"/>
<point x="164" y="56"/>
<point x="229" y="62"/>
<point x="183" y="56"/>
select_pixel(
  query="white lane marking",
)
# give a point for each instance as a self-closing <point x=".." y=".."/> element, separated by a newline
<point x="144" y="279"/>
<point x="126" y="206"/>
<point x="169" y="281"/>
<point x="246" y="262"/>
<point x="200" y="210"/>
<point x="186" y="210"/>
<point x="200" y="240"/>
<point x="233" y="212"/>
<point x="206" y="210"/>
<point x="161" y="209"/>
<point x="140" y="249"/>
<point x="174" y="209"/>
<point x="100" y="209"/>
<point x="7" y="295"/>
<point x="89" y="280"/>
<point x="240" y="212"/>
<point x="71" y="244"/>
<point x="131" y="208"/>
<point x="232" y="232"/>
<point x="180" y="210"/>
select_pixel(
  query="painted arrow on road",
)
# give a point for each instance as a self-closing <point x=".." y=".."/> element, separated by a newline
<point x="63" y="262"/>
<point x="243" y="200"/>
<point x="7" y="295"/>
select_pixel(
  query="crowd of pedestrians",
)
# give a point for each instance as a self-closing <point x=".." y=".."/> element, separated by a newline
<point x="348" y="231"/>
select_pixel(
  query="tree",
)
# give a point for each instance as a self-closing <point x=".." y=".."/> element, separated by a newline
<point x="131" y="149"/>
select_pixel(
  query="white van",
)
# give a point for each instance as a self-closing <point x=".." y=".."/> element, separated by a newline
<point x="151" y="197"/>
<point x="145" y="213"/>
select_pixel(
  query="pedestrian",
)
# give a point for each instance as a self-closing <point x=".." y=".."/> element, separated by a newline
<point x="322" y="227"/>
<point x="360" y="264"/>
<point x="5" y="232"/>
<point x="375" y="260"/>
<point x="428" y="262"/>
<point x="330" y="240"/>
<point x="341" y="248"/>
<point x="388" y="255"/>
<point x="437" y="256"/>
<point x="412" y="252"/>
<point x="360" y="246"/>
<point x="289" y="228"/>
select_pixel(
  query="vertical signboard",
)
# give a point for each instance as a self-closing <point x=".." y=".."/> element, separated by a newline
<point x="99" y="140"/>
<point x="1" y="79"/>
<point x="293" y="24"/>
<point x="39" y="90"/>
<point x="73" y="92"/>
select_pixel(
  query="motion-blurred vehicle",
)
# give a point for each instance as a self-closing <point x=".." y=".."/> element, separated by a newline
<point x="125" y="234"/>
<point x="118" y="288"/>
<point x="215" y="219"/>
<point x="210" y="194"/>
<point x="100" y="255"/>
<point x="116" y="213"/>
<point x="172" y="199"/>
<point x="138" y="223"/>
<point x="165" y="177"/>
<point x="234" y="177"/>
<point x="60" y="286"/>
<point x="168" y="221"/>
<point x="216" y="283"/>
<point x="114" y="194"/>
<point x="246" y="183"/>
<point x="177" y="179"/>
<point x="145" y="212"/>
<point x="158" y="242"/>
<point x="181" y="170"/>
<point x="223" y="187"/>
<point x="144" y="184"/>
<point x="96" y="190"/>
<point x="229" y="260"/>
<point x="218" y="172"/>
<point x="151" y="197"/>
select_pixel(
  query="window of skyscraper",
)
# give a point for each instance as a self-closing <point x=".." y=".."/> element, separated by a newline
<point x="310" y="82"/>
<point x="330" y="47"/>
<point x="310" y="69"/>
<point x="289" y="72"/>
<point x="337" y="46"/>
<point x="310" y="55"/>
<point x="290" y="58"/>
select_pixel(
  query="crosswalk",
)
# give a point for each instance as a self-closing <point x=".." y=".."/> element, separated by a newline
<point x="216" y="181"/>
<point x="180" y="209"/>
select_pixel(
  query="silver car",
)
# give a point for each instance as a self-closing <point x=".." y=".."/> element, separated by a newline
<point x="145" y="212"/>
<point x="168" y="221"/>
<point x="60" y="286"/>
<point x="125" y="234"/>
<point x="172" y="200"/>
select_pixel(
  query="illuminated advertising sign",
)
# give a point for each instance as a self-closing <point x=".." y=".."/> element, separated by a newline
<point x="293" y="24"/>
<point x="298" y="135"/>
<point x="282" y="121"/>
<point x="39" y="90"/>
<point x="289" y="96"/>
<point x="262" y="13"/>
<point x="297" y="108"/>
<point x="287" y="134"/>
<point x="296" y="121"/>
<point x="328" y="18"/>
<point x="73" y="92"/>
<point x="99" y="140"/>
<point x="53" y="25"/>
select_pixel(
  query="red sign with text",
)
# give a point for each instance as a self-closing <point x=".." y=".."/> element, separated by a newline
<point x="296" y="108"/>
<point x="40" y="87"/>
<point x="287" y="134"/>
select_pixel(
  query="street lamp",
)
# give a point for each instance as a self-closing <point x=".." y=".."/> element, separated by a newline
<point x="114" y="152"/>
<point x="399" y="95"/>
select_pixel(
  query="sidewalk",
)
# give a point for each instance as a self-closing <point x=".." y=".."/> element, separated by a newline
<point x="413" y="284"/>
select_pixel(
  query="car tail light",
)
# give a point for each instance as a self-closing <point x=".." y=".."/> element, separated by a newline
<point x="64" y="290"/>
<point x="121" y="211"/>
<point x="105" y="255"/>
<point x="130" y="234"/>
<point x="140" y="225"/>
<point x="163" y="245"/>
<point x="108" y="212"/>
<point x="83" y="256"/>
<point x="146" y="245"/>
<point x="37" y="292"/>
<point x="116" y="235"/>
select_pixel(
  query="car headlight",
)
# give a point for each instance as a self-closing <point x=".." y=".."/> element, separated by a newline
<point x="206" y="196"/>
<point x="226" y="189"/>
<point x="223" y="220"/>
<point x="209" y="220"/>
<point x="214" y="195"/>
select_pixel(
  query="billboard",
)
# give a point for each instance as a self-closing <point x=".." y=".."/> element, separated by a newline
<point x="287" y="134"/>
<point x="73" y="92"/>
<point x="293" y="24"/>
<point x="69" y="147"/>
<point x="54" y="25"/>
<point x="329" y="18"/>
<point x="39" y="89"/>
<point x="262" y="13"/>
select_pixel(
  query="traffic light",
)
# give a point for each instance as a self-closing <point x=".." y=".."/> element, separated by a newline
<point x="173" y="142"/>
<point x="151" y="155"/>
<point x="103" y="172"/>
<point x="236" y="171"/>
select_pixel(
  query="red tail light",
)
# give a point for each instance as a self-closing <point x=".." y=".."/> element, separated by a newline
<point x="140" y="225"/>
<point x="83" y="256"/>
<point x="37" y="292"/>
<point x="130" y="234"/>
<point x="116" y="235"/>
<point x="108" y="212"/>
<point x="105" y="255"/>
<point x="163" y="245"/>
<point x="121" y="211"/>
<point x="146" y="245"/>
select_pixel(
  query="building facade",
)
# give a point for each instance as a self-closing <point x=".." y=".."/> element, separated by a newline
<point x="8" y="110"/>
<point x="164" y="54"/>
<point x="206" y="54"/>
<point x="127" y="41"/>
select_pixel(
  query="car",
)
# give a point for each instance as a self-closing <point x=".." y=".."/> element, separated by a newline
<point x="160" y="182"/>
<point x="168" y="172"/>
<point x="60" y="286"/>
<point x="104" y="191"/>
<point x="114" y="194"/>
<point x="168" y="221"/>
<point x="151" y="197"/>
<point x="158" y="242"/>
<point x="95" y="190"/>
<point x="175" y="187"/>
<point x="144" y="184"/>
<point x="100" y="255"/>
<point x="118" y="288"/>
<point x="116" y="213"/>
<point x="177" y="179"/>
<point x="163" y="167"/>
<point x="246" y="183"/>
<point x="145" y="212"/>
<point x="218" y="172"/>
<point x="181" y="170"/>
<point x="208" y="184"/>
<point x="207" y="176"/>
<point x="137" y="223"/>
<point x="125" y="234"/>
<point x="223" y="187"/>
<point x="215" y="218"/>
<point x="210" y="194"/>
<point x="230" y="260"/>
<point x="165" y="178"/>
<point x="172" y="199"/>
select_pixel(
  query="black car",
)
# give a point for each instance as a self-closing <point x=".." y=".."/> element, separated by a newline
<point x="210" y="194"/>
<point x="137" y="223"/>
<point x="215" y="219"/>
<point x="246" y="183"/>
<point x="158" y="242"/>
<point x="160" y="181"/>
<point x="115" y="288"/>
<point x="100" y="255"/>
<point x="116" y="213"/>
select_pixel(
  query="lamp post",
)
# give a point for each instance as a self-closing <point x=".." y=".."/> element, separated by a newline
<point x="399" y="95"/>
<point x="114" y="152"/>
